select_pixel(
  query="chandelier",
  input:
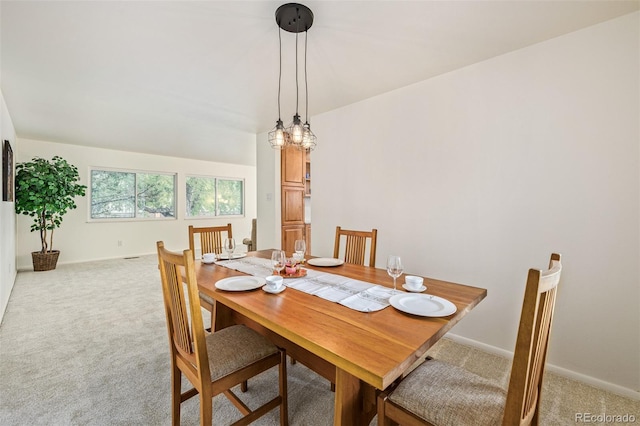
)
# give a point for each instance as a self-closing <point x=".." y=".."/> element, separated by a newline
<point x="294" y="18"/>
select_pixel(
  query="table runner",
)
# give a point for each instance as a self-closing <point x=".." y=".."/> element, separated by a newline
<point x="355" y="294"/>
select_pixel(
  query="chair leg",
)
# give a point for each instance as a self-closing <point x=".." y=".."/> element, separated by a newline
<point x="176" y="379"/>
<point x="383" y="420"/>
<point x="206" y="407"/>
<point x="284" y="405"/>
<point x="244" y="386"/>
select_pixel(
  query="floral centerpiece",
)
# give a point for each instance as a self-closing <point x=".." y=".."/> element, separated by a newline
<point x="292" y="267"/>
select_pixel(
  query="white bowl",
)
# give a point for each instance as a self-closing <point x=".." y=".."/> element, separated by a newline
<point x="413" y="282"/>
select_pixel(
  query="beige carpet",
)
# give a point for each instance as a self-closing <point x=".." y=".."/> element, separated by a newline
<point x="86" y="344"/>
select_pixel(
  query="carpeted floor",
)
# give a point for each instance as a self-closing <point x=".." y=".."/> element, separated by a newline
<point x="86" y="344"/>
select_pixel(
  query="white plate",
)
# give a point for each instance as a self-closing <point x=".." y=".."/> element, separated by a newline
<point x="225" y="256"/>
<point x="268" y="290"/>
<point x="419" y="290"/>
<point x="240" y="283"/>
<point x="424" y="305"/>
<point x="325" y="261"/>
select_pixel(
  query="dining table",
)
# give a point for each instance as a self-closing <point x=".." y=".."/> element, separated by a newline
<point x="360" y="352"/>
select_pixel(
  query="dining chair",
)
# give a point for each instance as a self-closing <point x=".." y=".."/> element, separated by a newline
<point x="356" y="246"/>
<point x="211" y="241"/>
<point x="440" y="394"/>
<point x="213" y="363"/>
<point x="211" y="238"/>
<point x="251" y="243"/>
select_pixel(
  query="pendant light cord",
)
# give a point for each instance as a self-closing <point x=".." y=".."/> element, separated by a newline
<point x="306" y="85"/>
<point x="280" y="70"/>
<point x="297" y="72"/>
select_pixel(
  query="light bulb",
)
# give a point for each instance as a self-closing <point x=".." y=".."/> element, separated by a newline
<point x="279" y="137"/>
<point x="296" y="133"/>
<point x="306" y="137"/>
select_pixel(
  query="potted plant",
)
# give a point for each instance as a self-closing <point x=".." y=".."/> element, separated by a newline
<point x="45" y="190"/>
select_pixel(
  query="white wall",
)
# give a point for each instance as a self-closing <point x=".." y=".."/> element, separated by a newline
<point x="7" y="219"/>
<point x="479" y="174"/>
<point x="269" y="208"/>
<point x="80" y="240"/>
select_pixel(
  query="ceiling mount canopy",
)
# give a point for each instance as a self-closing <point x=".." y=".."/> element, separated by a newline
<point x="294" y="18"/>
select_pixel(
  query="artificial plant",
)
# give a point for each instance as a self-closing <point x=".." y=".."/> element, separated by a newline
<point x="46" y="190"/>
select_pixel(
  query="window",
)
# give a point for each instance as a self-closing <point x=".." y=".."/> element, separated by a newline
<point x="230" y="197"/>
<point x="132" y="195"/>
<point x="209" y="196"/>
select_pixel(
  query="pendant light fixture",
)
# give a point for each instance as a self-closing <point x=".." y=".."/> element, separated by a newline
<point x="294" y="18"/>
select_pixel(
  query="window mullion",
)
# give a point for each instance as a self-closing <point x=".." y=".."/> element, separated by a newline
<point x="135" y="195"/>
<point x="216" y="198"/>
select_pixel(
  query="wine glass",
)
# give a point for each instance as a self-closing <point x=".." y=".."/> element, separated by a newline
<point x="300" y="247"/>
<point x="278" y="260"/>
<point x="229" y="246"/>
<point x="394" y="268"/>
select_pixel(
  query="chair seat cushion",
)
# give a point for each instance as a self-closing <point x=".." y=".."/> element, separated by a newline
<point x="235" y="347"/>
<point x="446" y="395"/>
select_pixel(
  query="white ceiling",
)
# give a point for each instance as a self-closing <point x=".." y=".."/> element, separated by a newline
<point x="197" y="79"/>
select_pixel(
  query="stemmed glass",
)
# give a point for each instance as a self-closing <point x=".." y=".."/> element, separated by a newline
<point x="278" y="260"/>
<point x="300" y="247"/>
<point x="394" y="268"/>
<point x="229" y="246"/>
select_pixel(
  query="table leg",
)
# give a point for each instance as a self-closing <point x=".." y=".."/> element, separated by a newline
<point x="221" y="317"/>
<point x="348" y="399"/>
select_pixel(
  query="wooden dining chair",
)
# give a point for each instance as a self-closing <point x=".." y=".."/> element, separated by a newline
<point x="356" y="246"/>
<point x="251" y="243"/>
<point x="440" y="394"/>
<point x="211" y="241"/>
<point x="211" y="238"/>
<point x="216" y="362"/>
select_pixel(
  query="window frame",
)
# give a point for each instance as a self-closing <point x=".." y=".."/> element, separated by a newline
<point x="135" y="201"/>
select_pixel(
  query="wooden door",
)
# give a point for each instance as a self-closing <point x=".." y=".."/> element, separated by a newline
<point x="293" y="167"/>
<point x="291" y="233"/>
<point x="292" y="205"/>
<point x="293" y="179"/>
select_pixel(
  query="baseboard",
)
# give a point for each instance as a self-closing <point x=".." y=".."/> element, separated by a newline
<point x="592" y="381"/>
<point x="72" y="262"/>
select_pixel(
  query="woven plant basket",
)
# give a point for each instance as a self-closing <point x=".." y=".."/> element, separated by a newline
<point x="44" y="261"/>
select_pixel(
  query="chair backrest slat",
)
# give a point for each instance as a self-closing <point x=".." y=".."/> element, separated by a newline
<point x="356" y="246"/>
<point x="531" y="346"/>
<point x="211" y="238"/>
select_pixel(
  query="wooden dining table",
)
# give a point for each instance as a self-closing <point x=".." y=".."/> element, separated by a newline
<point x="359" y="352"/>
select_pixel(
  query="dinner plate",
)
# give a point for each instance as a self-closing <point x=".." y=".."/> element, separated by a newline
<point x="325" y="261"/>
<point x="240" y="283"/>
<point x="424" y="305"/>
<point x="225" y="256"/>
